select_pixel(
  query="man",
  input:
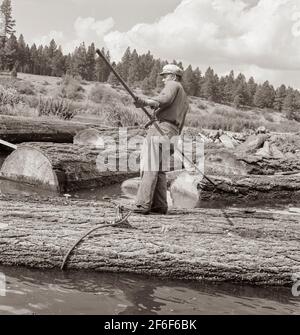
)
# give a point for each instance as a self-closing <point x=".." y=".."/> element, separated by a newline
<point x="171" y="107"/>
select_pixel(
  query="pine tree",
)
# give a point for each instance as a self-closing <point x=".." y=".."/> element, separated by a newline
<point x="11" y="52"/>
<point x="251" y="88"/>
<point x="134" y="69"/>
<point x="9" y="22"/>
<point x="22" y="53"/>
<point x="210" y="86"/>
<point x="291" y="104"/>
<point x="264" y="96"/>
<point x="58" y="64"/>
<point x="146" y="63"/>
<point x="279" y="98"/>
<point x="91" y="62"/>
<point x="222" y="85"/>
<point x="229" y="87"/>
<point x="154" y="74"/>
<point x="198" y="82"/>
<point x="79" y="62"/>
<point x="188" y="81"/>
<point x="241" y="95"/>
<point x="125" y="64"/>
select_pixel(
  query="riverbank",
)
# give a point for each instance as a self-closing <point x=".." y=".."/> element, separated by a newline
<point x="232" y="245"/>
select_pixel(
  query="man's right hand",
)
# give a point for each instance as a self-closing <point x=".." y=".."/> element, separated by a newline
<point x="142" y="102"/>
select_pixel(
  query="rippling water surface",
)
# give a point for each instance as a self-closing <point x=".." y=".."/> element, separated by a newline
<point x="55" y="292"/>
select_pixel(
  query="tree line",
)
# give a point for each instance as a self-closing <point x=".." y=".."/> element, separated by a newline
<point x="140" y="70"/>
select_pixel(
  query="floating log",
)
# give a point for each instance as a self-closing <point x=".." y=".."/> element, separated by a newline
<point x="190" y="190"/>
<point x="236" y="245"/>
<point x="62" y="167"/>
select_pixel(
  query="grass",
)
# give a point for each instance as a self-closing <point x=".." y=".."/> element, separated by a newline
<point x="31" y="95"/>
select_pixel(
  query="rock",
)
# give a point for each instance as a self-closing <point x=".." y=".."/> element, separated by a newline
<point x="228" y="142"/>
<point x="265" y="151"/>
<point x="252" y="143"/>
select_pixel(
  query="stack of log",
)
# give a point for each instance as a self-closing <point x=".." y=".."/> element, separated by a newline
<point x="238" y="167"/>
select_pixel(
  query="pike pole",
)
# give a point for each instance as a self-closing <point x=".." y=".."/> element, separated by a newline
<point x="153" y="121"/>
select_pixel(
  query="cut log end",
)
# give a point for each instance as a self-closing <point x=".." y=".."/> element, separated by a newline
<point x="30" y="165"/>
<point x="89" y="137"/>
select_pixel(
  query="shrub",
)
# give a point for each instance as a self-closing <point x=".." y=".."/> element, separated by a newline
<point x="55" y="107"/>
<point x="70" y="88"/>
<point x="20" y="109"/>
<point x="25" y="87"/>
<point x="9" y="96"/>
<point x="101" y="93"/>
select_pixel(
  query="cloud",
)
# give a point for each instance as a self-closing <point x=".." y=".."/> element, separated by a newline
<point x="85" y="26"/>
<point x="255" y="36"/>
<point x="58" y="36"/>
<point x="86" y="30"/>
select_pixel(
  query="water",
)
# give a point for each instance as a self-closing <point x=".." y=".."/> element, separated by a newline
<point x="54" y="292"/>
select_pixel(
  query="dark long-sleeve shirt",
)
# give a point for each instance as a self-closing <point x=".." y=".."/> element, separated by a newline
<point x="173" y="104"/>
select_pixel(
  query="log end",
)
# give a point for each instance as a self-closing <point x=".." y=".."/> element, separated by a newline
<point x="89" y="137"/>
<point x="30" y="165"/>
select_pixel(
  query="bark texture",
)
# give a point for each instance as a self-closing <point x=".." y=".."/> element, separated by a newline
<point x="74" y="166"/>
<point x="25" y="129"/>
<point x="237" y="245"/>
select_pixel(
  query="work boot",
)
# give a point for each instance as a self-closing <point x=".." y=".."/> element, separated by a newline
<point x="161" y="211"/>
<point x="138" y="209"/>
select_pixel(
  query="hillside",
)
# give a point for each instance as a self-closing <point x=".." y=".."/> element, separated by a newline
<point x="53" y="97"/>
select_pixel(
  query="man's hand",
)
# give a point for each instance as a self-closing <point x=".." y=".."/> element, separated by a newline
<point x="143" y="102"/>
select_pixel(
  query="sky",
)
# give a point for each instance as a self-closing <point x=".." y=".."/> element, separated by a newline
<point x="260" y="38"/>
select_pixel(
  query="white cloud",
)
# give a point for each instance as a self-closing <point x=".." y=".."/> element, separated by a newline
<point x="223" y="33"/>
<point x="85" y="26"/>
<point x="58" y="36"/>
<point x="86" y="30"/>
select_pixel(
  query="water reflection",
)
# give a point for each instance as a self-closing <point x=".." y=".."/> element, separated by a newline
<point x="55" y="292"/>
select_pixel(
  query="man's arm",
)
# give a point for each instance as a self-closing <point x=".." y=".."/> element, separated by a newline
<point x="167" y="95"/>
<point x="164" y="99"/>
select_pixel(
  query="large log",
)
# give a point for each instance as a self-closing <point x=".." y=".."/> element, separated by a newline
<point x="62" y="167"/>
<point x="190" y="190"/>
<point x="225" y="161"/>
<point x="237" y="245"/>
<point x="27" y="129"/>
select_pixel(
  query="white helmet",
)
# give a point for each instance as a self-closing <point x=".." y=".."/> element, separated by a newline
<point x="172" y="69"/>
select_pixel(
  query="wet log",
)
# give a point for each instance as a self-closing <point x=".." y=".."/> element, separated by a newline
<point x="236" y="245"/>
<point x="64" y="167"/>
<point x="194" y="190"/>
<point x="191" y="190"/>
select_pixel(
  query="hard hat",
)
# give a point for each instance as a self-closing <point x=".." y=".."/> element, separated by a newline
<point x="172" y="69"/>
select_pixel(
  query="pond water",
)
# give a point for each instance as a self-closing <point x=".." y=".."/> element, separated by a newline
<point x="54" y="292"/>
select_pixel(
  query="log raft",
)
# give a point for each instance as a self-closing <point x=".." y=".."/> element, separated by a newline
<point x="233" y="245"/>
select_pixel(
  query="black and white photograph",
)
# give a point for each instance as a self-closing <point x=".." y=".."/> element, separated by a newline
<point x="149" y="160"/>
